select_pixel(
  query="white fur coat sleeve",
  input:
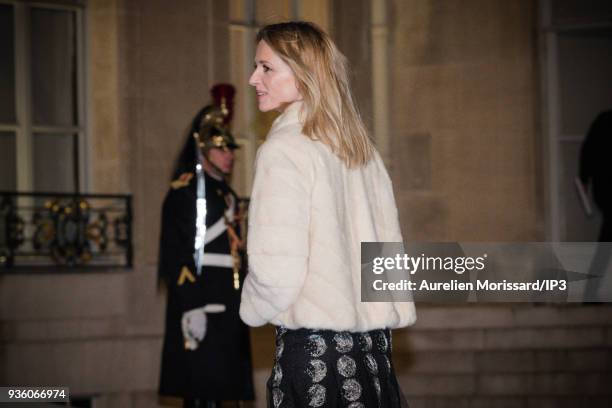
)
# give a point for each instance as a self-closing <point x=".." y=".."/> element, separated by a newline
<point x="278" y="232"/>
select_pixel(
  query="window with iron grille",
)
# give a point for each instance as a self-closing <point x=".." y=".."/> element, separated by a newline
<point x="42" y="101"/>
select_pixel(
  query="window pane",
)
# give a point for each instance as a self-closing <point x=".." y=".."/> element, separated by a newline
<point x="54" y="162"/>
<point x="54" y="69"/>
<point x="8" y="165"/>
<point x="7" y="64"/>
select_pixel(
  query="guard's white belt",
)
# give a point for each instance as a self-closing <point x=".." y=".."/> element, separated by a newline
<point x="219" y="227"/>
<point x="221" y="260"/>
<point x="215" y="230"/>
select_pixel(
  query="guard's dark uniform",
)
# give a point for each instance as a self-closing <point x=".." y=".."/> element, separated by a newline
<point x="220" y="368"/>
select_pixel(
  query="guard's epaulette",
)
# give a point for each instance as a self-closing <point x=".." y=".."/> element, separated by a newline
<point x="182" y="181"/>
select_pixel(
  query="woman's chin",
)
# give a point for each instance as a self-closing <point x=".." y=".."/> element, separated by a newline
<point x="265" y="108"/>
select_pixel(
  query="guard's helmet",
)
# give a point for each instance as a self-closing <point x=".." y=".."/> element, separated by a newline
<point x="214" y="135"/>
<point x="209" y="129"/>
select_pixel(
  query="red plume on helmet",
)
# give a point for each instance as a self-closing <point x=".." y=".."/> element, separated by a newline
<point x="223" y="97"/>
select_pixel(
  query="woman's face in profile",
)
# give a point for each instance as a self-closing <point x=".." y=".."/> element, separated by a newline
<point x="273" y="80"/>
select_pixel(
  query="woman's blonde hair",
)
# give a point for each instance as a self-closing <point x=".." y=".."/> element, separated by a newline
<point x="321" y="72"/>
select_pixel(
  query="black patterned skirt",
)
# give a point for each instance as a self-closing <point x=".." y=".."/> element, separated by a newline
<point x="326" y="368"/>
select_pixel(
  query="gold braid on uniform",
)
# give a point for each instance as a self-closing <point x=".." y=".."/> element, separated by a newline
<point x="236" y="243"/>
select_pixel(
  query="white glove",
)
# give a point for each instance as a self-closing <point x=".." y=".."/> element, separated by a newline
<point x="193" y="324"/>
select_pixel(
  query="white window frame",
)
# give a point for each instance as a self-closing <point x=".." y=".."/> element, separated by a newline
<point x="23" y="128"/>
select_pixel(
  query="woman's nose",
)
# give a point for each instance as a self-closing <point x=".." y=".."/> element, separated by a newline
<point x="254" y="78"/>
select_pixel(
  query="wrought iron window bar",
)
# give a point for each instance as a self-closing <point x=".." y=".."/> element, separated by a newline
<point x="67" y="230"/>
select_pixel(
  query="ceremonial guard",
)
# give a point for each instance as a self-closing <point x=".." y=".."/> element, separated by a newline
<point x="206" y="353"/>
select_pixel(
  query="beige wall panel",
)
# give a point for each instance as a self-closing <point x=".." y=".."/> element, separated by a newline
<point x="108" y="168"/>
<point x="219" y="58"/>
<point x="272" y="11"/>
<point x="317" y="11"/>
<point x="464" y="75"/>
<point x="146" y="303"/>
<point x="238" y="10"/>
<point x="422" y="98"/>
<point x="423" y="216"/>
<point x="169" y="83"/>
<point x="450" y="31"/>
<point x="88" y="367"/>
<point x="62" y="328"/>
<point x="351" y="32"/>
<point x="242" y="52"/>
<point x="62" y="296"/>
<point x="380" y="78"/>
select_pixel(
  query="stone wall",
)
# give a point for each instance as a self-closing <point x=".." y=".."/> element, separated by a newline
<point x="511" y="356"/>
<point x="464" y="155"/>
<point x="464" y="114"/>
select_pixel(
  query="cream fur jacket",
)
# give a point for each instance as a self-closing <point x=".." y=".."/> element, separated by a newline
<point x="307" y="218"/>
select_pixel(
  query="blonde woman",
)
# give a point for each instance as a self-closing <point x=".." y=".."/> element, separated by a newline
<point x="320" y="189"/>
